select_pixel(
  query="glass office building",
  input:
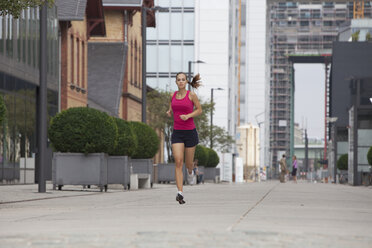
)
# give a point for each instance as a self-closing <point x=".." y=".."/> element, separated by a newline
<point x="19" y="80"/>
<point x="170" y="45"/>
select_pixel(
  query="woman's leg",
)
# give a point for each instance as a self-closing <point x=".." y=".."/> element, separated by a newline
<point x="178" y="150"/>
<point x="189" y="155"/>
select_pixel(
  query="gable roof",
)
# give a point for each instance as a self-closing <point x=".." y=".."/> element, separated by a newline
<point x="106" y="69"/>
<point x="71" y="10"/>
<point x="122" y="3"/>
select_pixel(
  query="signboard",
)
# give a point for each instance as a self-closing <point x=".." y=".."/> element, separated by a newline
<point x="226" y="167"/>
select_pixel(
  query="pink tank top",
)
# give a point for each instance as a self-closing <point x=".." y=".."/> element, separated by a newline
<point x="182" y="106"/>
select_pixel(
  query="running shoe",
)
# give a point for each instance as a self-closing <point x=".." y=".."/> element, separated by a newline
<point x="179" y="198"/>
<point x="190" y="177"/>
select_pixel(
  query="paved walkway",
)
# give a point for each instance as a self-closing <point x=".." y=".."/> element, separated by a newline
<point x="266" y="214"/>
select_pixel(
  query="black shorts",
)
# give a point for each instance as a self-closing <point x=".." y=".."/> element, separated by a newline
<point x="188" y="137"/>
<point x="294" y="172"/>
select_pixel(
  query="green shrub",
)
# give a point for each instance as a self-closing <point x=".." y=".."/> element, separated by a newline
<point x="342" y="162"/>
<point x="355" y="36"/>
<point x="201" y="154"/>
<point x="368" y="37"/>
<point x="148" y="141"/>
<point x="369" y="155"/>
<point x="126" y="140"/>
<point x="3" y="110"/>
<point x="213" y="158"/>
<point x="83" y="130"/>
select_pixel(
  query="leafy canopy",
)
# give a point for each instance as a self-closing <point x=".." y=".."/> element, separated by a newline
<point x="14" y="7"/>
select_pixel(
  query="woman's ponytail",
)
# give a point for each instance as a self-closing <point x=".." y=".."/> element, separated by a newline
<point x="195" y="83"/>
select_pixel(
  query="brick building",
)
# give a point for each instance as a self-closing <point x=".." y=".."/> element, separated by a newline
<point x="78" y="20"/>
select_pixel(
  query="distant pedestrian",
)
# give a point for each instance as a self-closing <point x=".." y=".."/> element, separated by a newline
<point x="283" y="169"/>
<point x="294" y="168"/>
<point x="185" y="106"/>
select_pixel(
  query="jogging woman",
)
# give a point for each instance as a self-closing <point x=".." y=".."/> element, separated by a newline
<point x="185" y="106"/>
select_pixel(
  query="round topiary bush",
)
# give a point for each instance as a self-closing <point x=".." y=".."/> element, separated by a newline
<point x="342" y="162"/>
<point x="83" y="130"/>
<point x="126" y="140"/>
<point x="369" y="155"/>
<point x="201" y="154"/>
<point x="148" y="141"/>
<point x="213" y="158"/>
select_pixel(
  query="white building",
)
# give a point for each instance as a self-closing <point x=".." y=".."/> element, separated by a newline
<point x="211" y="46"/>
<point x="248" y="146"/>
<point x="247" y="53"/>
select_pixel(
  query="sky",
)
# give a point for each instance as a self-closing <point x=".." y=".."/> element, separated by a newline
<point x="309" y="98"/>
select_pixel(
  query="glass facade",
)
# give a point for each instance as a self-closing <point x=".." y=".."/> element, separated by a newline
<point x="170" y="45"/>
<point x="19" y="80"/>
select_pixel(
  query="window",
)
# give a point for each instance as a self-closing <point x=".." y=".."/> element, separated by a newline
<point x="77" y="62"/>
<point x="163" y="25"/>
<point x="139" y="68"/>
<point x="135" y="65"/>
<point x="163" y="58"/>
<point x="131" y="64"/>
<point x="188" y="26"/>
<point x="176" y="26"/>
<point x="151" y="65"/>
<point x="83" y="65"/>
<point x="72" y="58"/>
<point x="176" y="58"/>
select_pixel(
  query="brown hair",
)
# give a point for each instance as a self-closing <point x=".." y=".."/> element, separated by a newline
<point x="195" y="83"/>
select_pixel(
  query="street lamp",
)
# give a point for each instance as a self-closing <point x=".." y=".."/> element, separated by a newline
<point x="144" y="26"/>
<point x="189" y="74"/>
<point x="42" y="102"/>
<point x="211" y="128"/>
<point x="370" y="99"/>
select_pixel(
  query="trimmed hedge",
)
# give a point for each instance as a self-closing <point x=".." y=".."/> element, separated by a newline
<point x="83" y="130"/>
<point x="342" y="162"/>
<point x="148" y="141"/>
<point x="201" y="154"/>
<point x="213" y="158"/>
<point x="369" y="155"/>
<point x="126" y="140"/>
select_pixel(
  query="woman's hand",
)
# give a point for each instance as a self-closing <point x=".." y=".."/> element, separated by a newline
<point x="184" y="117"/>
<point x="169" y="113"/>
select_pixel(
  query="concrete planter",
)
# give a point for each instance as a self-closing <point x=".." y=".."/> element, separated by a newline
<point x="142" y="166"/>
<point x="79" y="169"/>
<point x="212" y="174"/>
<point x="166" y="173"/>
<point x="118" y="170"/>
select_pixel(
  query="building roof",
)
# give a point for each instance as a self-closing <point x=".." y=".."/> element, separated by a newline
<point x="122" y="3"/>
<point x="106" y="69"/>
<point x="71" y="10"/>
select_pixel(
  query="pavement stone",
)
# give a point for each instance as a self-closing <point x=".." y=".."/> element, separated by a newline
<point x="262" y="214"/>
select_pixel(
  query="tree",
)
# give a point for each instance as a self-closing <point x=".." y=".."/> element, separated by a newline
<point x="355" y="36"/>
<point x="369" y="156"/>
<point x="342" y="162"/>
<point x="368" y="37"/>
<point x="158" y="105"/>
<point x="14" y="8"/>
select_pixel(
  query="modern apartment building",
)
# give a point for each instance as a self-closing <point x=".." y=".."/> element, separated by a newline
<point x="247" y="67"/>
<point x="170" y="45"/>
<point x="292" y="28"/>
<point x="298" y="28"/>
<point x="19" y="81"/>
